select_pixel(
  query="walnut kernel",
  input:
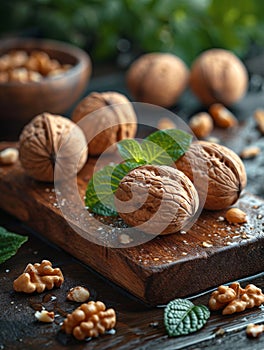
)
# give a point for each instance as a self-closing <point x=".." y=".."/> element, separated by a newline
<point x="222" y="116"/>
<point x="250" y="152"/>
<point x="170" y="199"/>
<point x="201" y="124"/>
<point x="110" y="118"/>
<point x="9" y="156"/>
<point x="236" y="216"/>
<point x="89" y="320"/>
<point x="224" y="171"/>
<point x="46" y="136"/>
<point x="254" y="330"/>
<point x="38" y="277"/>
<point x="78" y="294"/>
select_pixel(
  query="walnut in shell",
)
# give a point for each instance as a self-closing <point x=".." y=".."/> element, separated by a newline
<point x="110" y="118"/>
<point x="224" y="171"/>
<point x="40" y="142"/>
<point x="157" y="78"/>
<point x="217" y="75"/>
<point x="156" y="199"/>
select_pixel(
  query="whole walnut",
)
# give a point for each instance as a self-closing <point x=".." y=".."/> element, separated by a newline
<point x="110" y="118"/>
<point x="217" y="75"/>
<point x="157" y="199"/>
<point x="220" y="167"/>
<point x="157" y="78"/>
<point x="50" y="139"/>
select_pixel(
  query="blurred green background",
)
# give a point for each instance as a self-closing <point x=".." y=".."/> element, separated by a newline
<point x="109" y="29"/>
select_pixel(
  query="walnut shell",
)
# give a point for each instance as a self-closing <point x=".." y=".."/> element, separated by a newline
<point x="225" y="172"/>
<point x="218" y="76"/>
<point x="157" y="78"/>
<point x="171" y="200"/>
<point x="40" y="142"/>
<point x="105" y="126"/>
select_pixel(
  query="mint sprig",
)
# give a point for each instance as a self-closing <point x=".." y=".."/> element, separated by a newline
<point x="9" y="244"/>
<point x="163" y="147"/>
<point x="182" y="317"/>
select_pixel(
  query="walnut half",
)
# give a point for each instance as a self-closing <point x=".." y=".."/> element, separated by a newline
<point x="38" y="277"/>
<point x="89" y="320"/>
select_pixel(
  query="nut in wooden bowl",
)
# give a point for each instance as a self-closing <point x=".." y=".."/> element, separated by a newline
<point x="38" y="75"/>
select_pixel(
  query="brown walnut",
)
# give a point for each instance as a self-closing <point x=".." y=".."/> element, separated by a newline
<point x="224" y="171"/>
<point x="110" y="118"/>
<point x="157" y="78"/>
<point x="156" y="199"/>
<point x="40" y="143"/>
<point x="217" y="75"/>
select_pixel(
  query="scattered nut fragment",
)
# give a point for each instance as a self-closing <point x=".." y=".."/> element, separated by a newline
<point x="222" y="116"/>
<point x="236" y="216"/>
<point x="125" y="239"/>
<point x="216" y="171"/>
<point x="45" y="316"/>
<point x="250" y="152"/>
<point x="259" y="118"/>
<point x="78" y="294"/>
<point x="235" y="299"/>
<point x="201" y="124"/>
<point x="38" y="277"/>
<point x="89" y="320"/>
<point x="166" y="123"/>
<point x="254" y="330"/>
<point x="9" y="156"/>
<point x="207" y="244"/>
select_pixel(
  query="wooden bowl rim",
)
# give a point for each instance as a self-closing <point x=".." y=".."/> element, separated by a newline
<point x="82" y="57"/>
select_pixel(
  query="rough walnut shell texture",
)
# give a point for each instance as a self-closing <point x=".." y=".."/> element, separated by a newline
<point x="40" y="142"/>
<point x="218" y="76"/>
<point x="157" y="78"/>
<point x="170" y="199"/>
<point x="225" y="172"/>
<point x="111" y="119"/>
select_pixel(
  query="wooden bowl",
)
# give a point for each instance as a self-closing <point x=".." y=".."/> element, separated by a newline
<point x="20" y="102"/>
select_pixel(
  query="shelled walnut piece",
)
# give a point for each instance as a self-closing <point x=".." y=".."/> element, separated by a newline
<point x="235" y="299"/>
<point x="23" y="67"/>
<point x="89" y="320"/>
<point x="38" y="277"/>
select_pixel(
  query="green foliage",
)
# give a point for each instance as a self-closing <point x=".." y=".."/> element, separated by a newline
<point x="9" y="244"/>
<point x="182" y="27"/>
<point x="182" y="317"/>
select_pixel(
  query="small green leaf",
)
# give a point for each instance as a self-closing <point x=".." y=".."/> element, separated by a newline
<point x="99" y="194"/>
<point x="182" y="317"/>
<point x="121" y="170"/>
<point x="175" y="142"/>
<point x="130" y="149"/>
<point x="9" y="244"/>
<point x="154" y="154"/>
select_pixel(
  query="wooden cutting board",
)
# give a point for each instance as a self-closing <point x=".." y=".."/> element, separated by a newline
<point x="179" y="265"/>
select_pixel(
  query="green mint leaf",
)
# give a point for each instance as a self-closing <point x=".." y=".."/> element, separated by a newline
<point x="9" y="244"/>
<point x="175" y="142"/>
<point x="182" y="317"/>
<point x="130" y="149"/>
<point x="102" y="186"/>
<point x="154" y="154"/>
<point x="99" y="195"/>
<point x="121" y="170"/>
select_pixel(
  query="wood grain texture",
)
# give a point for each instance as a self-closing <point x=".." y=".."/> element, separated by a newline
<point x="166" y="267"/>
